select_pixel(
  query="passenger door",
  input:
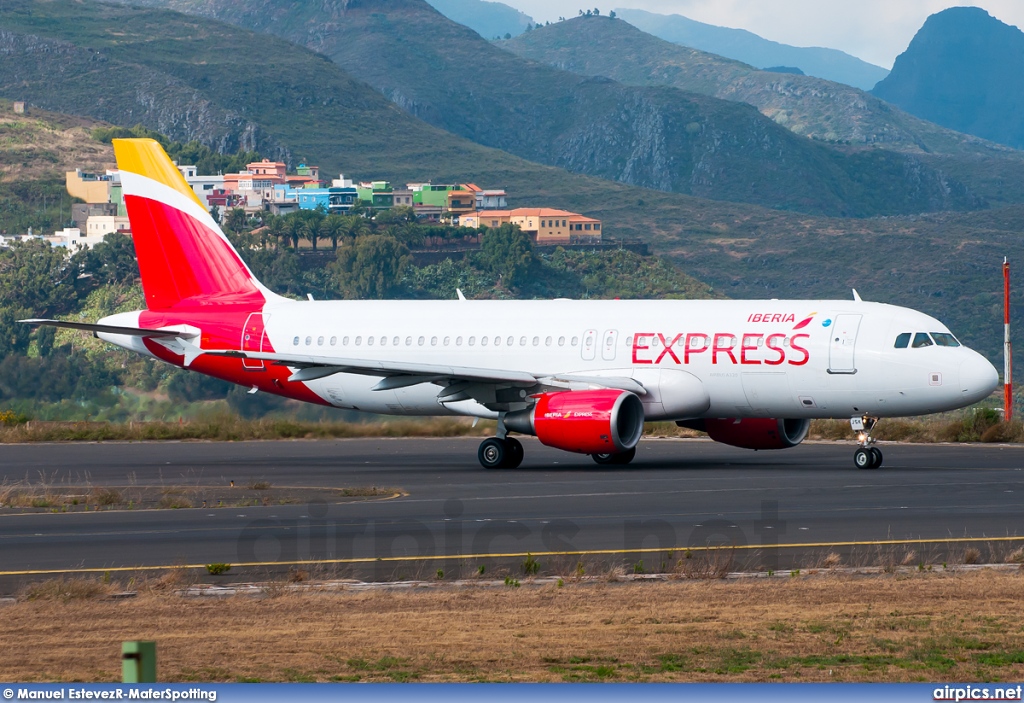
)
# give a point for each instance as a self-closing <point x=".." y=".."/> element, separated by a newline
<point x="842" y="343"/>
<point x="252" y="340"/>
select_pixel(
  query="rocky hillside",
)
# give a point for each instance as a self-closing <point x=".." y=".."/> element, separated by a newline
<point x="812" y="107"/>
<point x="963" y="70"/>
<point x="739" y="44"/>
<point x="43" y="144"/>
<point x="488" y="19"/>
<point x="655" y="137"/>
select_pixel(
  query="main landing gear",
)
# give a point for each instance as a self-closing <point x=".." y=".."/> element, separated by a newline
<point x="620" y="458"/>
<point x="866" y="456"/>
<point x="497" y="453"/>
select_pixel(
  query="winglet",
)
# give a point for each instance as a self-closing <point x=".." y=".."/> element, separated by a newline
<point x="459" y="292"/>
<point x="856" y="296"/>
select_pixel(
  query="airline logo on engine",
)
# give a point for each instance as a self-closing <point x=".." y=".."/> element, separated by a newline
<point x="747" y="349"/>
<point x="567" y="415"/>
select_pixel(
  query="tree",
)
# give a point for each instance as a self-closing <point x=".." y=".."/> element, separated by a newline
<point x="111" y="261"/>
<point x="371" y="266"/>
<point x="14" y="335"/>
<point x="236" y="221"/>
<point x="38" y="278"/>
<point x="507" y="252"/>
<point x="508" y="35"/>
<point x="612" y="14"/>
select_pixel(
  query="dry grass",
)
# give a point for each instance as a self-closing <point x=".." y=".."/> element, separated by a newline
<point x="45" y="495"/>
<point x="230" y="428"/>
<point x="933" y="627"/>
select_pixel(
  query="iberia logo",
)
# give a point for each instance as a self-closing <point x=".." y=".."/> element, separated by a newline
<point x="804" y="322"/>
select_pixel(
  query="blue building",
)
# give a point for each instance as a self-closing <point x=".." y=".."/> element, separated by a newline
<point x="334" y="200"/>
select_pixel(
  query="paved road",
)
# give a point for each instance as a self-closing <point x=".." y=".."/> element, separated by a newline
<point x="676" y="493"/>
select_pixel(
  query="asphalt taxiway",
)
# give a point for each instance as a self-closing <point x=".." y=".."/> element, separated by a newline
<point x="447" y="509"/>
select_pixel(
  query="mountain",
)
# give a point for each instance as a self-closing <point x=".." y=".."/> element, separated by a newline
<point x="488" y="19"/>
<point x="963" y="70"/>
<point x="749" y="48"/>
<point x="812" y="107"/>
<point x="655" y="137"/>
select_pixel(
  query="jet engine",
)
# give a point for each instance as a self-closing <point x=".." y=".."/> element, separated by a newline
<point x="605" y="421"/>
<point x="753" y="433"/>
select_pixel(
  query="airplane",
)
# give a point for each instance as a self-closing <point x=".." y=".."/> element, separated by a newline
<point x="581" y="375"/>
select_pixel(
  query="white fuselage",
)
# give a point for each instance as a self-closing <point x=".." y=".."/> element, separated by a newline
<point x="725" y="358"/>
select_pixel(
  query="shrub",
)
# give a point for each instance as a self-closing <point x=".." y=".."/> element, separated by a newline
<point x="218" y="568"/>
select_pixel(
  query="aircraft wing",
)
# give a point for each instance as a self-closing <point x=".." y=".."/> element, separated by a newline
<point x="400" y="374"/>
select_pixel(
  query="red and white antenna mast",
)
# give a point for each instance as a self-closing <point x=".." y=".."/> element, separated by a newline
<point x="1007" y="349"/>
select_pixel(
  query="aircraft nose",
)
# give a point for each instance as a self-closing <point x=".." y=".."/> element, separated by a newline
<point x="978" y="378"/>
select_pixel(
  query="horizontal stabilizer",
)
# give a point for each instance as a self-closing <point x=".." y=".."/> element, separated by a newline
<point x="106" y="329"/>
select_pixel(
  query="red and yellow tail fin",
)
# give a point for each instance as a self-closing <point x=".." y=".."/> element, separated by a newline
<point x="184" y="258"/>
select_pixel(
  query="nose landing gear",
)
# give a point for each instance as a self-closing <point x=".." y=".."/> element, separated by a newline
<point x="866" y="456"/>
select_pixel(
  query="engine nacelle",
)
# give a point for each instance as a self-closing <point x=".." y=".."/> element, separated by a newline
<point x="757" y="433"/>
<point x="605" y="421"/>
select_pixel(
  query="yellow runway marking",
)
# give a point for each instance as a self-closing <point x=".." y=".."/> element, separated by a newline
<point x="510" y="555"/>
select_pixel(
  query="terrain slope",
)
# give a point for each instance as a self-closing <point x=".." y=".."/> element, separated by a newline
<point x="813" y="107"/>
<point x="963" y="70"/>
<point x="748" y="47"/>
<point x="655" y="137"/>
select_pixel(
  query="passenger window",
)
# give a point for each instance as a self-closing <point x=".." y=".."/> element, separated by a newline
<point x="369" y="341"/>
<point x="483" y="341"/>
<point x="458" y="341"/>
<point x="921" y="339"/>
<point x="547" y="341"/>
<point x="309" y="340"/>
<point x="902" y="341"/>
<point x="433" y="341"/>
<point x="383" y="341"/>
<point x="472" y="341"/>
<point x="561" y="341"/>
<point x="629" y="341"/>
<point x="334" y="341"/>
<point x="497" y="341"/>
<point x="945" y="339"/>
<point x="420" y="341"/>
<point x="295" y="341"/>
<point x="510" y="341"/>
<point x="359" y="340"/>
<point x="395" y="341"/>
<point x="575" y="341"/>
<point x="536" y="341"/>
<point x="447" y="340"/>
<point x="408" y="341"/>
<point x="522" y="341"/>
<point x="319" y="341"/>
<point x="344" y="341"/>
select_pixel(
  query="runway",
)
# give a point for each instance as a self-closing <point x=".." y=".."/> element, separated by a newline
<point x="676" y="494"/>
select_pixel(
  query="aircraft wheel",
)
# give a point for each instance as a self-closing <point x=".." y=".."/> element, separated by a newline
<point x="493" y="453"/>
<point x="515" y="453"/>
<point x="620" y="458"/>
<point x="864" y="459"/>
<point x="876" y="457"/>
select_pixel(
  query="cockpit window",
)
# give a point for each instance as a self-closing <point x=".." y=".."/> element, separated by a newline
<point x="921" y="339"/>
<point x="903" y="341"/>
<point x="945" y="339"/>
